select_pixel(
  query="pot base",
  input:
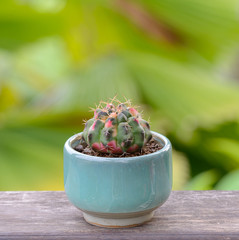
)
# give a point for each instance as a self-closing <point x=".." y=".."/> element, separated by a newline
<point x="117" y="222"/>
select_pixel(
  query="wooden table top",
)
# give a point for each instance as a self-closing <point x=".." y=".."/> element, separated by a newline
<point x="186" y="215"/>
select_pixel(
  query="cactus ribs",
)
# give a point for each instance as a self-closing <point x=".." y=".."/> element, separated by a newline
<point x="116" y="130"/>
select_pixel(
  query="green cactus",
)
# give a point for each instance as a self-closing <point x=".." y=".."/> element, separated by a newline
<point x="116" y="130"/>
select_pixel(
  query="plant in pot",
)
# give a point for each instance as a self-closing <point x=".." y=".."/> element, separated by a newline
<point x="117" y="171"/>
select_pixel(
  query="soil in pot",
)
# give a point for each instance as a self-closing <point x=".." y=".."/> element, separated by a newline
<point x="150" y="147"/>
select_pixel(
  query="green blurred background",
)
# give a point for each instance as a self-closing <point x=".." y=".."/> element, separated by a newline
<point x="178" y="59"/>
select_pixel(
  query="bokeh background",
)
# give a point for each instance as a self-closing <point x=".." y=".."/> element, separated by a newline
<point x="177" y="59"/>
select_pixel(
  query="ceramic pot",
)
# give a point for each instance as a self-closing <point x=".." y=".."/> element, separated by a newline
<point x="118" y="192"/>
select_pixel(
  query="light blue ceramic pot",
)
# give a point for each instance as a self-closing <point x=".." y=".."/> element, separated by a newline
<point x="118" y="192"/>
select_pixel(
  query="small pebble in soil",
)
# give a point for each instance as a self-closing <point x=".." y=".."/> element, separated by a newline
<point x="79" y="148"/>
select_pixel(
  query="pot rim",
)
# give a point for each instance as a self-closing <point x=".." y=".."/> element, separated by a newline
<point x="167" y="146"/>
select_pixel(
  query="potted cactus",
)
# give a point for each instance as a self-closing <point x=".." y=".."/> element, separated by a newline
<point x="117" y="171"/>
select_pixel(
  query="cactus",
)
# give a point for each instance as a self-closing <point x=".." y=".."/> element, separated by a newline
<point x="116" y="129"/>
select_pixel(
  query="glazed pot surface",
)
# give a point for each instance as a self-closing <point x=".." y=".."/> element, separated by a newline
<point x="118" y="185"/>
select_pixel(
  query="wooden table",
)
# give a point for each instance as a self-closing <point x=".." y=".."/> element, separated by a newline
<point x="186" y="215"/>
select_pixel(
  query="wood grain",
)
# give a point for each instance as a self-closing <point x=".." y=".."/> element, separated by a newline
<point x="186" y="215"/>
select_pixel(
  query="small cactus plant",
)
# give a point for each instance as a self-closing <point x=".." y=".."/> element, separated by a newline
<point x="116" y="129"/>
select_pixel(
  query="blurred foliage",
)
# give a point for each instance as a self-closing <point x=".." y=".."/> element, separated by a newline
<point x="178" y="59"/>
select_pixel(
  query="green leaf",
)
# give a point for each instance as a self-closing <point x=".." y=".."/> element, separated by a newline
<point x="203" y="181"/>
<point x="181" y="170"/>
<point x="229" y="148"/>
<point x="229" y="182"/>
<point x="205" y="26"/>
<point x="183" y="93"/>
<point x="31" y="158"/>
<point x="21" y="24"/>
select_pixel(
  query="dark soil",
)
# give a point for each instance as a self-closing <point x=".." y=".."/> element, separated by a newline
<point x="150" y="147"/>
